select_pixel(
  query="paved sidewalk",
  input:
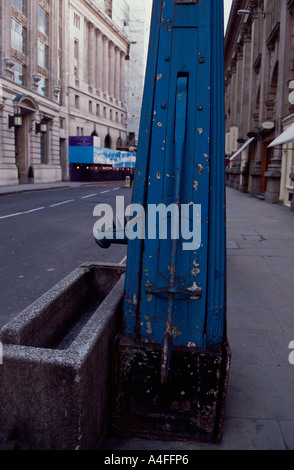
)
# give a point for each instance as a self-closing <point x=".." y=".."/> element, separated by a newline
<point x="260" y="406"/>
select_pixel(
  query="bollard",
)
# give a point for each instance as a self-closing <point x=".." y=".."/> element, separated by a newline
<point x="128" y="182"/>
<point x="172" y="358"/>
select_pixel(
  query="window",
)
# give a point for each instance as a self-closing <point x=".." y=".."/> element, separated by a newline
<point x="90" y="107"/>
<point x="20" y="5"/>
<point x="43" y="24"/>
<point x="59" y="67"/>
<point x="43" y="55"/>
<point x="18" y="37"/>
<point x="43" y="87"/>
<point x="59" y="38"/>
<point x="77" y="21"/>
<point x="20" y="74"/>
<point x="76" y="49"/>
<point x="77" y="101"/>
<point x="60" y="9"/>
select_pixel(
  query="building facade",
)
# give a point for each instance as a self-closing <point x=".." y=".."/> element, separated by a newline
<point x="62" y="74"/>
<point x="259" y="68"/>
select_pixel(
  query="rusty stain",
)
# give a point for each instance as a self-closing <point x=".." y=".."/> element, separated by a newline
<point x="195" y="185"/>
<point x="159" y="124"/>
<point x="195" y="272"/>
<point x="200" y="169"/>
<point x="200" y="130"/>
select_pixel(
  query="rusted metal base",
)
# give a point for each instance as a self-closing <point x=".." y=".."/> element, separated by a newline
<point x="189" y="407"/>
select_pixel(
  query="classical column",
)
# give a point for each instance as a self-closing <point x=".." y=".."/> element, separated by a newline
<point x="274" y="171"/>
<point x="99" y="60"/>
<point x="5" y="46"/>
<point x="111" y="68"/>
<point x="105" y="65"/>
<point x="92" y="55"/>
<point x="122" y="76"/>
<point x="32" y="51"/>
<point x="117" y="74"/>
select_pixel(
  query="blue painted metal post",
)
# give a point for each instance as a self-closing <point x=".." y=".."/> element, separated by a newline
<point x="172" y="359"/>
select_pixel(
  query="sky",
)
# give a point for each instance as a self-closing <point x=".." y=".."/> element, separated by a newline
<point x="227" y="6"/>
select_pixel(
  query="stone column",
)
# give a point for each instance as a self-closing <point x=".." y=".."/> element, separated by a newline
<point x="32" y="57"/>
<point x="122" y="76"/>
<point x="92" y="55"/>
<point x="99" y="60"/>
<point x="5" y="43"/>
<point x="105" y="65"/>
<point x="117" y="74"/>
<point x="111" y="68"/>
<point x="274" y="171"/>
<point x="85" y="54"/>
<point x="292" y="202"/>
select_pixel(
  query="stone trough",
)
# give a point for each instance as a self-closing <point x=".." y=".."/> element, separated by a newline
<point x="56" y="371"/>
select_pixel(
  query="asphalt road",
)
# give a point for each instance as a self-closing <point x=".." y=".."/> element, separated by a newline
<point x="44" y="236"/>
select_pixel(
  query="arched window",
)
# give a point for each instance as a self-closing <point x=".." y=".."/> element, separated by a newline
<point x="107" y="142"/>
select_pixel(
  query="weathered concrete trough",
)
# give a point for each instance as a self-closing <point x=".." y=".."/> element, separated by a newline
<point x="55" y="376"/>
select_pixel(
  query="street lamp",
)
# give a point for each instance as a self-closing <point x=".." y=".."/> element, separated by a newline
<point x="248" y="12"/>
<point x="41" y="127"/>
<point x="15" y="120"/>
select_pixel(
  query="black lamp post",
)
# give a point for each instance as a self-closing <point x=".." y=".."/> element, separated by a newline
<point x="41" y="127"/>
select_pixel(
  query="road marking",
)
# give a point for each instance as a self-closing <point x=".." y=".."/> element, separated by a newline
<point x="104" y="192"/>
<point x="62" y="203"/>
<point x="10" y="215"/>
<point x="90" y="195"/>
<point x="34" y="210"/>
<point x="123" y="260"/>
<point x="115" y="189"/>
<point x="21" y="213"/>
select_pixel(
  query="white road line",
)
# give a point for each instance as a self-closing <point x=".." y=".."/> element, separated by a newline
<point x="104" y="192"/>
<point x="123" y="260"/>
<point x="21" y="213"/>
<point x="62" y="203"/>
<point x="10" y="215"/>
<point x="115" y="189"/>
<point x="90" y="195"/>
<point x="34" y="210"/>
